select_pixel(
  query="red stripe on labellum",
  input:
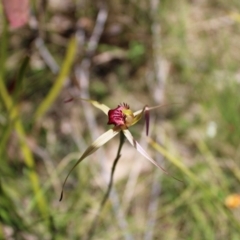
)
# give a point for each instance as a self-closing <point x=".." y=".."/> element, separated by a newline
<point x="116" y="117"/>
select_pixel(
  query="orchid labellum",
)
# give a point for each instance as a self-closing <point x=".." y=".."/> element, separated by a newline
<point x="122" y="118"/>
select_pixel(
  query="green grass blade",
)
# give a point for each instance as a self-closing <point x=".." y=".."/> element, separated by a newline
<point x="56" y="88"/>
<point x="3" y="46"/>
<point x="4" y="137"/>
<point x="20" y="79"/>
<point x="173" y="160"/>
<point x="27" y="154"/>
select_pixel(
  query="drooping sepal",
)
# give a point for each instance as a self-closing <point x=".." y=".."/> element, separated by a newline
<point x="147" y="117"/>
<point x="100" y="141"/>
<point x="139" y="148"/>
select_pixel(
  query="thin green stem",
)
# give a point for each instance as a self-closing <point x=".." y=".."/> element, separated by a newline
<point x="122" y="137"/>
<point x="106" y="196"/>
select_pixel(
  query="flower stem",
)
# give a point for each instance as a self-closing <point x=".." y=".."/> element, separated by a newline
<point x="106" y="196"/>
<point x="122" y="137"/>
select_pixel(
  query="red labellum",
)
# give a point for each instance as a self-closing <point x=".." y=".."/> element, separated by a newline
<point x="116" y="116"/>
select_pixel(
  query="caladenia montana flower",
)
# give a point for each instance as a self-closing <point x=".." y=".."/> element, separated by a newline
<point x="122" y="118"/>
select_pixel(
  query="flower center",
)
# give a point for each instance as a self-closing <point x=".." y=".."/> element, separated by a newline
<point x="122" y="116"/>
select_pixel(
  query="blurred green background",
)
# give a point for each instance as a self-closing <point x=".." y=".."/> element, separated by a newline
<point x="183" y="55"/>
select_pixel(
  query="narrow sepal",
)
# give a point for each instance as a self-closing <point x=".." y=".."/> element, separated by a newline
<point x="96" y="104"/>
<point x="147" y="117"/>
<point x="136" y="145"/>
<point x="149" y="109"/>
<point x="104" y="138"/>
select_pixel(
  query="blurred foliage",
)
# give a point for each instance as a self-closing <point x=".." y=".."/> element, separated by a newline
<point x="187" y="50"/>
<point x="229" y="106"/>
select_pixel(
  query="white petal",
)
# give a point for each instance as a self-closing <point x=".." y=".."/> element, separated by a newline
<point x="149" y="109"/>
<point x="105" y="137"/>
<point x="137" y="112"/>
<point x="100" y="141"/>
<point x="135" y="144"/>
<point x="98" y="105"/>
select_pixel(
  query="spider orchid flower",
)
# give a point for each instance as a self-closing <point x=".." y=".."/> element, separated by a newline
<point x="122" y="118"/>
